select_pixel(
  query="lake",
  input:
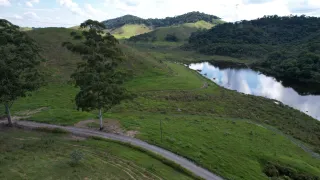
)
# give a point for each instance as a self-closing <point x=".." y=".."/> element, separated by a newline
<point x="248" y="81"/>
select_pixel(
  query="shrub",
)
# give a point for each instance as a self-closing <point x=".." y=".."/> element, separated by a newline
<point x="271" y="171"/>
<point x="76" y="156"/>
<point x="151" y="168"/>
<point x="171" y="38"/>
<point x="277" y="171"/>
<point x="77" y="37"/>
<point x="73" y="33"/>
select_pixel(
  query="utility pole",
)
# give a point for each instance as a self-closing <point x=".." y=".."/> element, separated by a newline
<point x="161" y="129"/>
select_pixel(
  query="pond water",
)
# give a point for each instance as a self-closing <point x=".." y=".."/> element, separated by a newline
<point x="248" y="81"/>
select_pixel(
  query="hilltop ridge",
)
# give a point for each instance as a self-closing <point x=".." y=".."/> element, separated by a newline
<point x="190" y="17"/>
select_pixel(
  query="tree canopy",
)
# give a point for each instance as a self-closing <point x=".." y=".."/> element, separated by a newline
<point x="97" y="76"/>
<point x="287" y="46"/>
<point x="190" y="17"/>
<point x="19" y="63"/>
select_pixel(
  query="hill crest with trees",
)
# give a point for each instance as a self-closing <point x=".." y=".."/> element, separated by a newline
<point x="286" y="47"/>
<point x="190" y="17"/>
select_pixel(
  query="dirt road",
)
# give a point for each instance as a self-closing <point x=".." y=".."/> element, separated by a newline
<point x="199" y="171"/>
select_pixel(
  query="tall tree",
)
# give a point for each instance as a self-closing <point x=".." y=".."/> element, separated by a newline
<point x="97" y="76"/>
<point x="19" y="63"/>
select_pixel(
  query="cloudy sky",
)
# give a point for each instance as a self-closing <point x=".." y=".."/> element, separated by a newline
<point x="66" y="13"/>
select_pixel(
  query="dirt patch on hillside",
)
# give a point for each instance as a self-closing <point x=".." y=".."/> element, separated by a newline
<point x="76" y="138"/>
<point x="110" y="126"/>
<point x="131" y="133"/>
<point x="83" y="124"/>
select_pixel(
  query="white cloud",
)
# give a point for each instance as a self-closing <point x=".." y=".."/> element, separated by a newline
<point x="256" y="1"/>
<point x="31" y="15"/>
<point x="73" y="7"/>
<point x="229" y="10"/>
<point x="29" y="4"/>
<point x="5" y="3"/>
<point x="129" y="6"/>
<point x="85" y="11"/>
<point x="42" y="9"/>
<point x="17" y="16"/>
<point x="306" y="6"/>
<point x="96" y="13"/>
<point x="76" y="11"/>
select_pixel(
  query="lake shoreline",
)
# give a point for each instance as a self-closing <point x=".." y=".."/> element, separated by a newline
<point x="243" y="79"/>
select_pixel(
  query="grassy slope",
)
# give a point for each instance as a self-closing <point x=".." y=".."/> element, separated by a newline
<point x="130" y="30"/>
<point x="58" y="97"/>
<point x="198" y="123"/>
<point x="172" y="51"/>
<point x="182" y="32"/>
<point x="235" y="149"/>
<point x="36" y="155"/>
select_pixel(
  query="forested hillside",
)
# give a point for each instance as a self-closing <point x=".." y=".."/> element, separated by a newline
<point x="287" y="46"/>
<point x="190" y="17"/>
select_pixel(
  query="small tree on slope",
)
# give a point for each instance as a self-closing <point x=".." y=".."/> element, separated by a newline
<point x="19" y="60"/>
<point x="98" y="78"/>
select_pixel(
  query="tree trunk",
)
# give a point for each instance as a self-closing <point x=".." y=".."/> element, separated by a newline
<point x="100" y="116"/>
<point x="8" y="115"/>
<point x="161" y="129"/>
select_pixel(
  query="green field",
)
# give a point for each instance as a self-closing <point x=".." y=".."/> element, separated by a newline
<point x="182" y="31"/>
<point x="234" y="148"/>
<point x="37" y="155"/>
<point x="217" y="128"/>
<point x="130" y="30"/>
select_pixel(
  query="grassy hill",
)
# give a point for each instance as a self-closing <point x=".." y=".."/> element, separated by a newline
<point x="127" y="26"/>
<point x="129" y="30"/>
<point x="231" y="134"/>
<point x="182" y="32"/>
<point x="190" y="17"/>
<point x="41" y="155"/>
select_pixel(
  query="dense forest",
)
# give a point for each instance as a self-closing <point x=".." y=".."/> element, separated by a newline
<point x="287" y="47"/>
<point x="190" y="17"/>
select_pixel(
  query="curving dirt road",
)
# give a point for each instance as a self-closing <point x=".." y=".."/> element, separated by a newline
<point x="199" y="171"/>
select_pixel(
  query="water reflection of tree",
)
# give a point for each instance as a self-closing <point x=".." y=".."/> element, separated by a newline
<point x="302" y="88"/>
<point x="228" y="65"/>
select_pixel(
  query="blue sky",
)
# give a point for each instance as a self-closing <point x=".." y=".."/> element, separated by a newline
<point x="66" y="13"/>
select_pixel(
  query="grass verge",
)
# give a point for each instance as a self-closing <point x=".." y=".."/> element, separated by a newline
<point x="39" y="155"/>
<point x="172" y="164"/>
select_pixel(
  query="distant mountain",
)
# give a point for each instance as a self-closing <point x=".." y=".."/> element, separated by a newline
<point x="175" y="33"/>
<point x="190" y="17"/>
<point x="287" y="47"/>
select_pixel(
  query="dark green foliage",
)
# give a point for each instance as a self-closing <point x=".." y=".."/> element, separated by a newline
<point x="98" y="77"/>
<point x="288" y="47"/>
<point x="168" y="21"/>
<point x="171" y="38"/>
<point x="18" y="64"/>
<point x="276" y="170"/>
<point x="73" y="33"/>
<point x="271" y="30"/>
<point x="305" y="65"/>
<point x="146" y="37"/>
